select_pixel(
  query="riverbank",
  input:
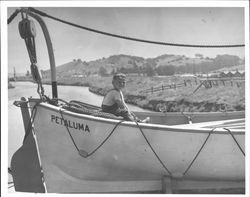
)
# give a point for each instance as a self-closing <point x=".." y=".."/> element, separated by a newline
<point x="184" y="104"/>
<point x="227" y="97"/>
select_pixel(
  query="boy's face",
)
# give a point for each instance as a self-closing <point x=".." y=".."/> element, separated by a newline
<point x="119" y="84"/>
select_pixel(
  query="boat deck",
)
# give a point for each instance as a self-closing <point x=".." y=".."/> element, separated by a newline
<point x="232" y="125"/>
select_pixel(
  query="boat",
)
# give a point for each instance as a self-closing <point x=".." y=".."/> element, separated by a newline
<point x="73" y="147"/>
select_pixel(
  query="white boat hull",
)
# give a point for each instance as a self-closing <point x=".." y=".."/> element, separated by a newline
<point x="126" y="157"/>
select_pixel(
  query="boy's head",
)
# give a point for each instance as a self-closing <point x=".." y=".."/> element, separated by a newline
<point x="119" y="80"/>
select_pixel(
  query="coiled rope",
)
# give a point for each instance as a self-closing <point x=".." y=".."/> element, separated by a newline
<point x="125" y="37"/>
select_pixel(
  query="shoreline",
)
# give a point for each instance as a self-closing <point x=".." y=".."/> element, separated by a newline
<point x="182" y="105"/>
<point x="10" y="86"/>
<point x="178" y="100"/>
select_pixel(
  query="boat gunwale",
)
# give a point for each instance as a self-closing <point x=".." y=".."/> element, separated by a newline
<point x="169" y="128"/>
<point x="193" y="113"/>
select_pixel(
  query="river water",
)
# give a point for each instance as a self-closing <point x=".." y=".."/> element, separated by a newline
<point x="28" y="89"/>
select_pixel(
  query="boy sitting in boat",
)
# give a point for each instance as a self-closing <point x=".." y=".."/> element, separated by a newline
<point x="114" y="102"/>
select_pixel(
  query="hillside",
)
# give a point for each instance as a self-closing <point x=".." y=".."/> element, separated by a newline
<point x="145" y="74"/>
<point x="162" y="65"/>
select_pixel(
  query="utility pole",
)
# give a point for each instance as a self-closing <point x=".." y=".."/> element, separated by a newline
<point x="14" y="77"/>
<point x="193" y="66"/>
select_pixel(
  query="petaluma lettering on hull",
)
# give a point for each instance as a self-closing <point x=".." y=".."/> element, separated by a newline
<point x="69" y="123"/>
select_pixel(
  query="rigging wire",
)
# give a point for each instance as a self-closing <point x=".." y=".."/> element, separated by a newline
<point x="12" y="16"/>
<point x="131" y="38"/>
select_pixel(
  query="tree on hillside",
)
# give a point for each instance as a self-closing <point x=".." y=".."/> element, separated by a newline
<point x="122" y="70"/>
<point x="197" y="55"/>
<point x="149" y="70"/>
<point x="113" y="71"/>
<point x="165" y="70"/>
<point x="151" y="62"/>
<point x="180" y="69"/>
<point x="103" y="71"/>
<point x="243" y="61"/>
<point x="131" y="62"/>
<point x="226" y="60"/>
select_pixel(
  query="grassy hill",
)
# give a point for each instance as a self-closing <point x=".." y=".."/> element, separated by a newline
<point x="161" y="65"/>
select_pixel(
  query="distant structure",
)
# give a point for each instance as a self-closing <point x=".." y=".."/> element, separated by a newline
<point x="226" y="73"/>
<point x="14" y="74"/>
<point x="231" y="74"/>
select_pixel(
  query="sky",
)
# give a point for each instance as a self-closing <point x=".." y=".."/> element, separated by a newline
<point x="183" y="25"/>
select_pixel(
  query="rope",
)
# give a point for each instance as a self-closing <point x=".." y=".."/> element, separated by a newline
<point x="72" y="139"/>
<point x="54" y="101"/>
<point x="32" y="117"/>
<point x="84" y="154"/>
<point x="163" y="165"/>
<point x="28" y="35"/>
<point x="12" y="16"/>
<point x="130" y="38"/>
<point x="11" y="186"/>
<point x="198" y="152"/>
<point x="235" y="141"/>
<point x="206" y="142"/>
<point x="106" y="138"/>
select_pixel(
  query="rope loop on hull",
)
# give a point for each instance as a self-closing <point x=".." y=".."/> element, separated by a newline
<point x="83" y="153"/>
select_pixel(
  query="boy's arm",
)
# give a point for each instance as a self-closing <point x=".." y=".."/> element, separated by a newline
<point x="120" y="103"/>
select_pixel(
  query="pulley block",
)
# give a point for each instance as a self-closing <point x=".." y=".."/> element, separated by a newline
<point x="35" y="73"/>
<point x="27" y="28"/>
